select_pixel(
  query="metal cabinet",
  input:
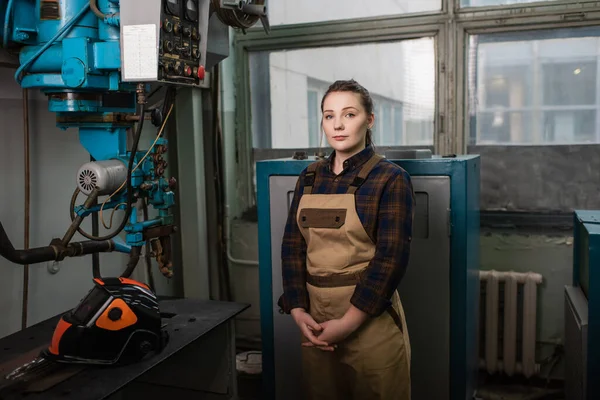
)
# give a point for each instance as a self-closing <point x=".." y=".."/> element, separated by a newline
<point x="582" y="310"/>
<point x="439" y="292"/>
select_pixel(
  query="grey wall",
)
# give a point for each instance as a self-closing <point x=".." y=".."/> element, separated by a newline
<point x="55" y="158"/>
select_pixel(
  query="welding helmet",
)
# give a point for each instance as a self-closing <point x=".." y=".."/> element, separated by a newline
<point x="117" y="322"/>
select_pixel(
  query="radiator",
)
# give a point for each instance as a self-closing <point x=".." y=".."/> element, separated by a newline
<point x="507" y="362"/>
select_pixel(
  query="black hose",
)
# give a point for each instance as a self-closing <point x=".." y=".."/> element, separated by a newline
<point x="84" y="233"/>
<point x="49" y="253"/>
<point x="134" y="258"/>
<point x="95" y="232"/>
<point x="147" y="256"/>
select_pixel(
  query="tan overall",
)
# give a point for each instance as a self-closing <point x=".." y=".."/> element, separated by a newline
<point x="373" y="362"/>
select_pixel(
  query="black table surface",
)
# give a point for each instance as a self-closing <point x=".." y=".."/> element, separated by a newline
<point x="193" y="319"/>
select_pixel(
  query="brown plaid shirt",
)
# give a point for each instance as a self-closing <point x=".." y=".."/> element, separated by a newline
<point x="384" y="203"/>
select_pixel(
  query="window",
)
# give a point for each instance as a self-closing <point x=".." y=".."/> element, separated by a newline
<point x="283" y="12"/>
<point x="314" y="130"/>
<point x="534" y="88"/>
<point x="287" y="87"/>
<point x="482" y="3"/>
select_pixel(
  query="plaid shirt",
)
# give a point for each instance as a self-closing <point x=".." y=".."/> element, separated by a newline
<point x="384" y="203"/>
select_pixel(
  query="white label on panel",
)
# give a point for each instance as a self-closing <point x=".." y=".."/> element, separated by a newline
<point x="140" y="55"/>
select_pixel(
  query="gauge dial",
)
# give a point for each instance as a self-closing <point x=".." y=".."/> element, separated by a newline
<point x="191" y="10"/>
<point x="173" y="7"/>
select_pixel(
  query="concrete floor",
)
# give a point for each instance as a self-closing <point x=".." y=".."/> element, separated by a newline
<point x="548" y="385"/>
<point x="249" y="387"/>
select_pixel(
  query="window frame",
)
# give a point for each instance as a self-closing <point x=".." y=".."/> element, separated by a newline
<point x="450" y="27"/>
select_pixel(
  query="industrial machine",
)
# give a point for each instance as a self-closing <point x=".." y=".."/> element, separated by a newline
<point x="582" y="308"/>
<point x="439" y="293"/>
<point x="97" y="61"/>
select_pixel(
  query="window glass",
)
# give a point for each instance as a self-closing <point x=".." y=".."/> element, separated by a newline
<point x="534" y="88"/>
<point x="287" y="88"/>
<point x="285" y="12"/>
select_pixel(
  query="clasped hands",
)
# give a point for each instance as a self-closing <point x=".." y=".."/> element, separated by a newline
<point x="328" y="334"/>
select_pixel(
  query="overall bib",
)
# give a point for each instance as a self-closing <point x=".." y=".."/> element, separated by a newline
<point x="373" y="362"/>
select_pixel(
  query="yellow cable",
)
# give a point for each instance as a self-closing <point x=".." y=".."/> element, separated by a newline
<point x="136" y="167"/>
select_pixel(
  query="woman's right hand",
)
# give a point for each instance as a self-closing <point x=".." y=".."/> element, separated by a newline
<point x="308" y="326"/>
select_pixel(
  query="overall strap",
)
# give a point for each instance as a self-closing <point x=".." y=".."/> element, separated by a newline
<point x="309" y="177"/>
<point x="364" y="172"/>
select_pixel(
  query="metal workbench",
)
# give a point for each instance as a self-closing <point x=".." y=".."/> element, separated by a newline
<point x="198" y="362"/>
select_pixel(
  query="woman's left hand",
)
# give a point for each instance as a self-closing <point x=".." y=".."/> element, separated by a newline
<point x="334" y="331"/>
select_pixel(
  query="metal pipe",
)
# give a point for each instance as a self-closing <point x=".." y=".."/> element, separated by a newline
<point x="25" y="307"/>
<point x="134" y="257"/>
<point x="53" y="252"/>
<point x="230" y="258"/>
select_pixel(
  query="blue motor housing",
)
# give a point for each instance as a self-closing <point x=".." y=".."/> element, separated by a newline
<point x="69" y="53"/>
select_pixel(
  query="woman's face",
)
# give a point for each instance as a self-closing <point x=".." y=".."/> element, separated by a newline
<point x="345" y="122"/>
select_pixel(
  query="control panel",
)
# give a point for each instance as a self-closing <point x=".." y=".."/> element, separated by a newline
<point x="179" y="47"/>
<point x="164" y="41"/>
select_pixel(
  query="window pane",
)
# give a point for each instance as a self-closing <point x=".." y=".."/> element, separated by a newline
<point x="534" y="88"/>
<point x="287" y="88"/>
<point x="313" y="119"/>
<point x="483" y="3"/>
<point x="282" y="12"/>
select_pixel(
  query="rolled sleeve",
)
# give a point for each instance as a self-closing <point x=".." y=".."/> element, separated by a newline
<point x="293" y="259"/>
<point x="394" y="234"/>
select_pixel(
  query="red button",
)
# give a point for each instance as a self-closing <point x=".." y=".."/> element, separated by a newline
<point x="201" y="72"/>
<point x="188" y="71"/>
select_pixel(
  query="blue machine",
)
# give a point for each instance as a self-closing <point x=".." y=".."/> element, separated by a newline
<point x="440" y="292"/>
<point x="95" y="61"/>
<point x="71" y="51"/>
<point x="582" y="311"/>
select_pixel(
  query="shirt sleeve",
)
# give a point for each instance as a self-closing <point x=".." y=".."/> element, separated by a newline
<point x="394" y="234"/>
<point x="293" y="259"/>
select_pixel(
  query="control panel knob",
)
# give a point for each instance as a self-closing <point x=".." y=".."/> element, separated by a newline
<point x="169" y="46"/>
<point x="177" y="28"/>
<point x="188" y="71"/>
<point x="115" y="314"/>
<point x="167" y="26"/>
<point x="187" y="32"/>
<point x="195" y="35"/>
<point x="179" y="68"/>
<point x="196" y="53"/>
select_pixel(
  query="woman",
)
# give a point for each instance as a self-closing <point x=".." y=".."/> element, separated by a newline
<point x="345" y="249"/>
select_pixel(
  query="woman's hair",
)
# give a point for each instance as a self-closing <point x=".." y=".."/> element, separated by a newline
<point x="354" y="87"/>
